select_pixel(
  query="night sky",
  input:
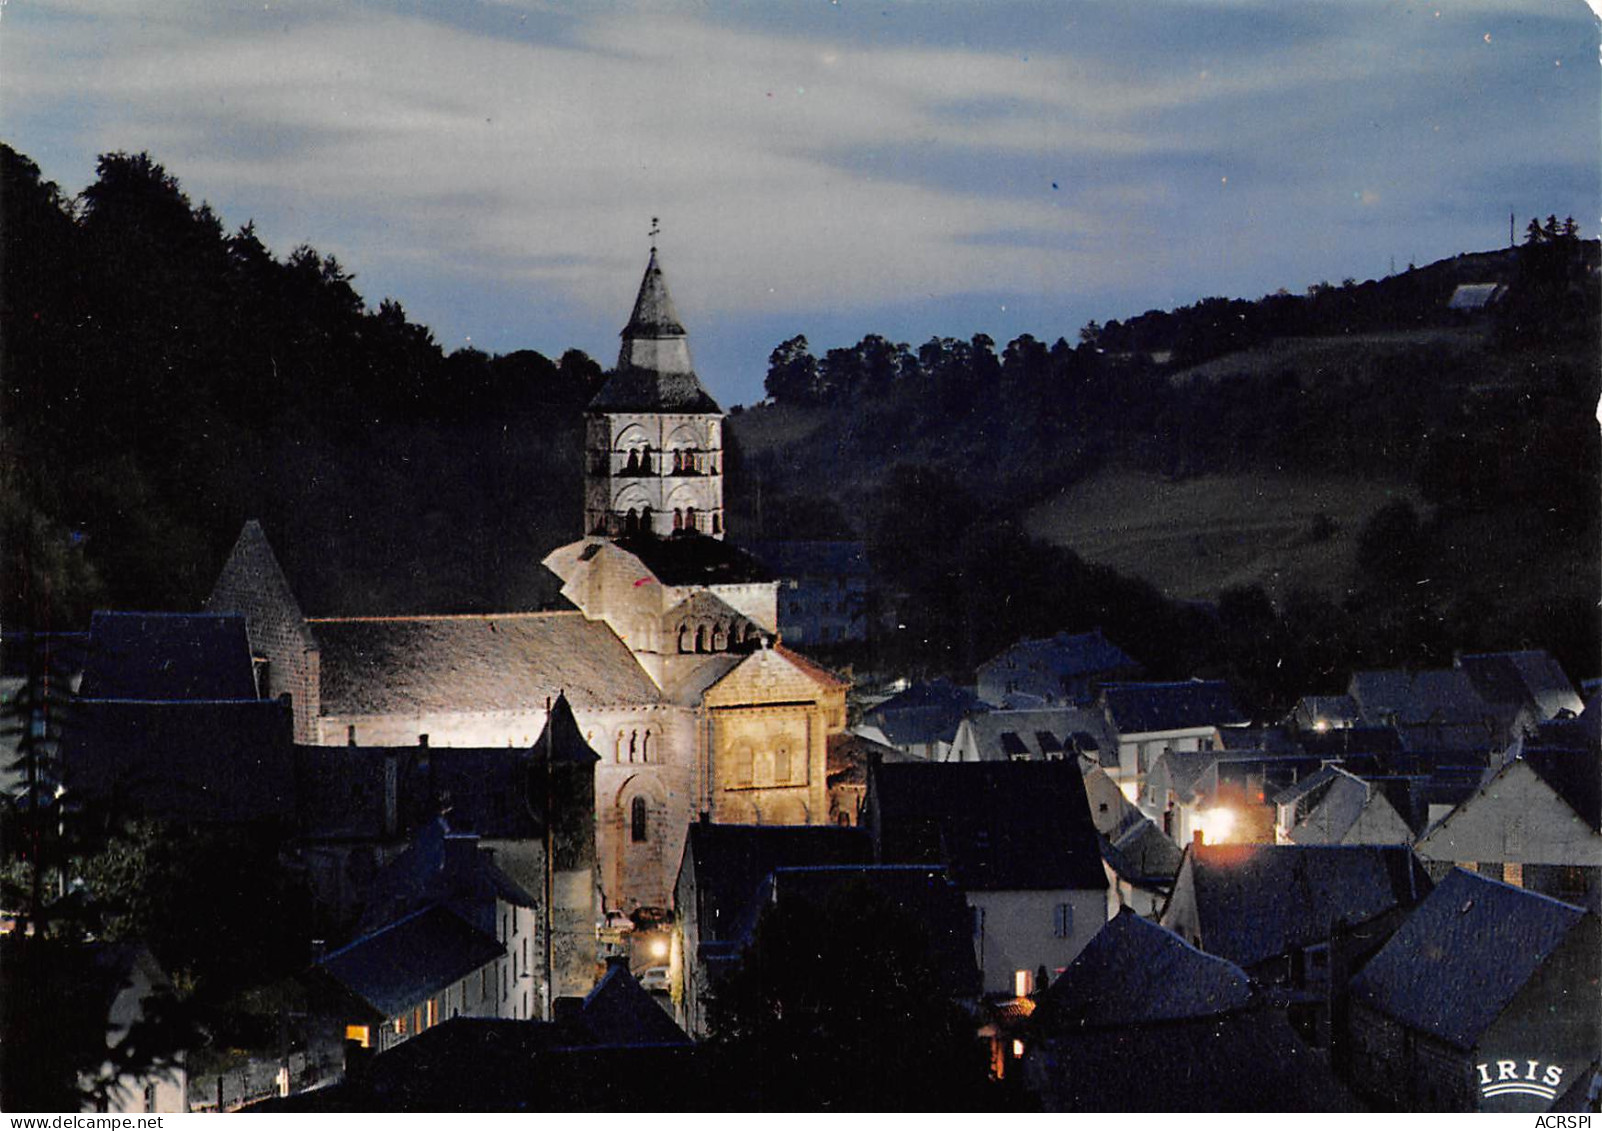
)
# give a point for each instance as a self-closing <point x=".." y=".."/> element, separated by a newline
<point x="827" y="168"/>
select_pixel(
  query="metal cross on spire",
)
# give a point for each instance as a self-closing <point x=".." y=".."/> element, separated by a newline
<point x="656" y="230"/>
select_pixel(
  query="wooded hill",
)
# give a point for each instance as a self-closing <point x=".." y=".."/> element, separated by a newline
<point x="164" y="379"/>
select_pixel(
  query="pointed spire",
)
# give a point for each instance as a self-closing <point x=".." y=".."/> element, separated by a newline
<point x="654" y="315"/>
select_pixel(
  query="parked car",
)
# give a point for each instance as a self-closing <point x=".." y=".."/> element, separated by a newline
<point x="655" y="979"/>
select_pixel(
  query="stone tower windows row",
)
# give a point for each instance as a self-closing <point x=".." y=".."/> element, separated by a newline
<point x="718" y="637"/>
<point x="679" y="461"/>
<point x="638" y="520"/>
<point x="771" y="766"/>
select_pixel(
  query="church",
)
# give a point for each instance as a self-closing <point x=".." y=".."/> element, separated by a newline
<point x="670" y="658"/>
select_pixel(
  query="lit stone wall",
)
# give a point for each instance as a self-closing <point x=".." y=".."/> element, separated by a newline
<point x="661" y="461"/>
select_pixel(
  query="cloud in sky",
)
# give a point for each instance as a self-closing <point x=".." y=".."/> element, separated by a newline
<point x="827" y="168"/>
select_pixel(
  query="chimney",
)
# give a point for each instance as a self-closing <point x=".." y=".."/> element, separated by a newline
<point x="1198" y="838"/>
<point x="422" y="740"/>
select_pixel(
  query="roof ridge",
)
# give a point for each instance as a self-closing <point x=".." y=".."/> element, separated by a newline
<point x="410" y="617"/>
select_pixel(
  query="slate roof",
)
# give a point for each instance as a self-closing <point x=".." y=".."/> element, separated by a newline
<point x="441" y="867"/>
<point x="1258" y="901"/>
<point x="648" y="390"/>
<point x="1142" y="854"/>
<point x="1463" y="955"/>
<point x="923" y="894"/>
<point x="849" y="756"/>
<point x="924" y="713"/>
<point x="168" y="656"/>
<point x="619" y="1012"/>
<point x="1333" y="812"/>
<point x="1065" y="656"/>
<point x="654" y="315"/>
<point x="1576" y="776"/>
<point x="190" y="760"/>
<point x="1348" y="742"/>
<point x="691" y="558"/>
<point x="562" y="741"/>
<point x="1037" y="733"/>
<point x="253" y="582"/>
<point x="512" y="662"/>
<point x="1145" y="708"/>
<point x="1135" y="972"/>
<point x="1445" y="695"/>
<point x="398" y="966"/>
<point x="1529" y="677"/>
<point x="1337" y="709"/>
<point x="1248" y="1060"/>
<point x="998" y="826"/>
<point x="731" y="861"/>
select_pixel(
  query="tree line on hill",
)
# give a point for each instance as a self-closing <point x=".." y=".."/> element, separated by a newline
<point x="165" y="379"/>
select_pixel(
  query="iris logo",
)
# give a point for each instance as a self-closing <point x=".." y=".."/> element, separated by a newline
<point x="1505" y="1078"/>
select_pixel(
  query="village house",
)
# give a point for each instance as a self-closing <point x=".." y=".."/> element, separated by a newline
<point x="823" y="589"/>
<point x="922" y="720"/>
<point x="1042" y="734"/>
<point x="1017" y="839"/>
<point x="1150" y="719"/>
<point x="1065" y="670"/>
<point x="1484" y="1000"/>
<point x="1533" y="824"/>
<point x="1143" y="1021"/>
<point x="1334" y="806"/>
<point x="124" y="981"/>
<point x="722" y="869"/>
<point x="1295" y="918"/>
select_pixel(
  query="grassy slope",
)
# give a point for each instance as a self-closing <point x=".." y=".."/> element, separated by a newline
<point x="1192" y="538"/>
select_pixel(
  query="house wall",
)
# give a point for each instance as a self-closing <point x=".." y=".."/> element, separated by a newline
<point x="1016" y="931"/>
<point x="1180" y="913"/>
<point x="1519" y="819"/>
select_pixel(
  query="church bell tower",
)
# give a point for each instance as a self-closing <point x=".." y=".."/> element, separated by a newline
<point x="653" y="436"/>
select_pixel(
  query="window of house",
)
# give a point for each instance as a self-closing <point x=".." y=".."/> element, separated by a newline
<point x="1022" y="981"/>
<point x="781" y="764"/>
<point x="1062" y="920"/>
<point x="361" y="1034"/>
<point x="1513" y="873"/>
<point x="740" y="765"/>
<point x="637" y="828"/>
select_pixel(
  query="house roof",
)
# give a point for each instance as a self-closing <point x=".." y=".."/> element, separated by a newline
<point x="924" y="713"/>
<point x="252" y="582"/>
<point x="849" y="755"/>
<point x="1146" y="708"/>
<point x="441" y="867"/>
<point x="692" y="558"/>
<point x="1348" y="742"/>
<point x="1142" y="853"/>
<point x="1065" y="655"/>
<point x="1441" y="695"/>
<point x="1332" y="814"/>
<point x="1576" y="776"/>
<point x="398" y="966"/>
<point x="1249" y="1060"/>
<point x="923" y="894"/>
<point x="1462" y="955"/>
<point x="1135" y="972"/>
<point x="1530" y="677"/>
<point x="813" y="670"/>
<point x="998" y="826"/>
<point x="168" y="656"/>
<point x="619" y="1012"/>
<point x="731" y="861"/>
<point x="191" y="760"/>
<point x="562" y="741"/>
<point x="1334" y="708"/>
<point x="1259" y="901"/>
<point x="1037" y="733"/>
<point x="1474" y="296"/>
<point x="512" y="662"/>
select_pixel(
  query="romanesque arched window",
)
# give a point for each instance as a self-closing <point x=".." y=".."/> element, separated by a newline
<point x="645" y="520"/>
<point x="637" y="821"/>
<point x="645" y="460"/>
<point x="633" y="466"/>
<point x="617" y="748"/>
<point x="717" y="523"/>
<point x="645" y="746"/>
<point x="781" y="765"/>
<point x="700" y="638"/>
<point x="631" y="521"/>
<point x="740" y="765"/>
<point x="684" y="638"/>
<point x="678" y="519"/>
<point x="689" y="518"/>
<point x="634" y="744"/>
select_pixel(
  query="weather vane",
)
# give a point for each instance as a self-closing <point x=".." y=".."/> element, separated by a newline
<point x="656" y="230"/>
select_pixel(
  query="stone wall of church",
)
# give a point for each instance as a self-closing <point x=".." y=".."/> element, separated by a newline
<point x="666" y="468"/>
<point x="758" y="600"/>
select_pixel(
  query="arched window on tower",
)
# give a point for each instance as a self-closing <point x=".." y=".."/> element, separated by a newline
<point x="678" y="462"/>
<point x="631" y="522"/>
<point x="633" y="466"/>
<point x="684" y="638"/>
<point x="689" y="519"/>
<point x="645" y="460"/>
<point x="637" y="821"/>
<point x="678" y="519"/>
<point x="700" y="638"/>
<point x="717" y="523"/>
<point x="645" y="521"/>
<point x="645" y="747"/>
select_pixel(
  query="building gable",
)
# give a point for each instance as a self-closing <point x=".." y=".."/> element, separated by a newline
<point x="1515" y="817"/>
